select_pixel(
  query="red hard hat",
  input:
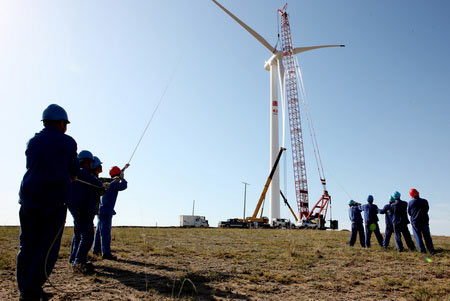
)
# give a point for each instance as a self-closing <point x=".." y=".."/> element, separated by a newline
<point x="413" y="193"/>
<point x="114" y="171"/>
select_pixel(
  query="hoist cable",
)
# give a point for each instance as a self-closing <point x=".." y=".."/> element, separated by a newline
<point x="310" y="123"/>
<point x="154" y="111"/>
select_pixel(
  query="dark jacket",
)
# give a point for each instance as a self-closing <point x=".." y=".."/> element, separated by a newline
<point x="354" y="214"/>
<point x="83" y="197"/>
<point x="399" y="213"/>
<point x="51" y="161"/>
<point x="370" y="213"/>
<point x="109" y="198"/>
<point x="388" y="217"/>
<point x="418" y="211"/>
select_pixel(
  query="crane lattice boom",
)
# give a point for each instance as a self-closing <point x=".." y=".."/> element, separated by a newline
<point x="298" y="155"/>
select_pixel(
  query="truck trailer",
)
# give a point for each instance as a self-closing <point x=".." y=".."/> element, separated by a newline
<point x="193" y="221"/>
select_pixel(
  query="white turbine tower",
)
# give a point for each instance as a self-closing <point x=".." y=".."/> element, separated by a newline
<point x="275" y="66"/>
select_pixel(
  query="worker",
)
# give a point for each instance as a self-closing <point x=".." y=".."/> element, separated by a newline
<point x="106" y="212"/>
<point x="388" y="220"/>
<point x="82" y="206"/>
<point x="51" y="163"/>
<point x="97" y="169"/>
<point x="354" y="213"/>
<point x="418" y="211"/>
<point x="371" y="221"/>
<point x="400" y="222"/>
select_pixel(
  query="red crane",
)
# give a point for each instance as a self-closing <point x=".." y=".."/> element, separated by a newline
<point x="291" y="68"/>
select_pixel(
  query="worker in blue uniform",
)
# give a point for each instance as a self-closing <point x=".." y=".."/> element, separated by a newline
<point x="354" y="213"/>
<point x="418" y="211"/>
<point x="388" y="220"/>
<point x="106" y="212"/>
<point x="97" y="169"/>
<point x="371" y="221"/>
<point x="51" y="162"/>
<point x="82" y="206"/>
<point x="400" y="222"/>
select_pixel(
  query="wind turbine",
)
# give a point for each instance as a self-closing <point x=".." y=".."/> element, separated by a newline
<point x="277" y="72"/>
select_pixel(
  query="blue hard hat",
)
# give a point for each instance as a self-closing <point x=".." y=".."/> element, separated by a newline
<point x="96" y="162"/>
<point x="370" y="198"/>
<point x="84" y="154"/>
<point x="351" y="202"/>
<point x="396" y="195"/>
<point x="391" y="200"/>
<point x="55" y="112"/>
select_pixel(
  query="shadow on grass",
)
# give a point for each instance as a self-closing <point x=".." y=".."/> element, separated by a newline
<point x="143" y="264"/>
<point x="171" y="287"/>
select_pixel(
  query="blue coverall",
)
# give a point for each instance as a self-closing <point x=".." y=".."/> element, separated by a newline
<point x="371" y="218"/>
<point x="83" y="206"/>
<point x="354" y="213"/>
<point x="105" y="214"/>
<point x="44" y="192"/>
<point x="418" y="211"/>
<point x="389" y="227"/>
<point x="400" y="223"/>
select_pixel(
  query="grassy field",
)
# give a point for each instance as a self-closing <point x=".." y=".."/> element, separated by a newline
<point x="240" y="264"/>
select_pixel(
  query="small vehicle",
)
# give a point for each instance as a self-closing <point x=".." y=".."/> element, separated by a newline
<point x="194" y="221"/>
<point x="233" y="223"/>
<point x="282" y="223"/>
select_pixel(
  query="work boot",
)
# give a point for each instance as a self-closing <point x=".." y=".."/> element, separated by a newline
<point x="29" y="298"/>
<point x="83" y="268"/>
<point x="46" y="295"/>
<point x="109" y="257"/>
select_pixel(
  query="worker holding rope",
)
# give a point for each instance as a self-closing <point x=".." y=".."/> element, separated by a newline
<point x="82" y="206"/>
<point x="388" y="220"/>
<point x="106" y="211"/>
<point x="51" y="163"/>
<point x="371" y="221"/>
<point x="400" y="222"/>
<point x="96" y="170"/>
<point x="354" y="213"/>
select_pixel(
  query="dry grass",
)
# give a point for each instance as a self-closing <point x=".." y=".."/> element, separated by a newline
<point x="170" y="263"/>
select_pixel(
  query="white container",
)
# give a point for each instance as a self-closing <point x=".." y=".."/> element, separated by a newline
<point x="193" y="221"/>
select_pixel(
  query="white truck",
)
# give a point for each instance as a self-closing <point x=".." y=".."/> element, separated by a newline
<point x="282" y="223"/>
<point x="193" y="221"/>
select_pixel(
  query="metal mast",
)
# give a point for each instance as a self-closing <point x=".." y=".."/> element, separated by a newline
<point x="298" y="154"/>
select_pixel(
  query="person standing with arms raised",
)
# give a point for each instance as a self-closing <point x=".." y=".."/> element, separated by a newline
<point x="51" y="164"/>
<point x="106" y="212"/>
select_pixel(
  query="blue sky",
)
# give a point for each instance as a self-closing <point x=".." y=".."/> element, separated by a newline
<point x="380" y="106"/>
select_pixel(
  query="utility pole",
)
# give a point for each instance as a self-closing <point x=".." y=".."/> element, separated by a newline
<point x="193" y="206"/>
<point x="245" y="196"/>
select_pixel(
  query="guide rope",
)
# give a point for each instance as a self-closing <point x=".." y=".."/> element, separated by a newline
<point x="154" y="111"/>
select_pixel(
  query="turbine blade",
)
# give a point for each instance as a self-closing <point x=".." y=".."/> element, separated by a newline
<point x="303" y="49"/>
<point x="251" y="31"/>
